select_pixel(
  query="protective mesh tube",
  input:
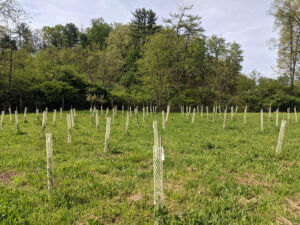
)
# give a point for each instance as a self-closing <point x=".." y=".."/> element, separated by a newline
<point x="49" y="164"/>
<point x="280" y="138"/>
<point x="107" y="133"/>
<point x="69" y="128"/>
<point x="261" y="120"/>
<point x="157" y="170"/>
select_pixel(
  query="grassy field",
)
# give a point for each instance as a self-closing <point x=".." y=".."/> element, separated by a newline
<point x="211" y="175"/>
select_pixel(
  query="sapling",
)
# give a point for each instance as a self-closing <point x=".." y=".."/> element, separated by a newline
<point x="225" y="114"/>
<point x="296" y="117"/>
<point x="122" y="110"/>
<point x="74" y="113"/>
<point x="163" y="119"/>
<point x="25" y="114"/>
<point x="130" y="110"/>
<point x="147" y="111"/>
<point x="69" y="128"/>
<point x="207" y="112"/>
<point x="220" y="111"/>
<point x="107" y="133"/>
<point x="288" y="115"/>
<point x="280" y="137"/>
<point x="17" y="121"/>
<point x="231" y="108"/>
<point x="262" y="120"/>
<point x="97" y="120"/>
<point x="49" y="165"/>
<point x="10" y="117"/>
<point x="101" y="110"/>
<point x="197" y="109"/>
<point x="157" y="170"/>
<point x="127" y="123"/>
<point x="193" y="118"/>
<point x="107" y="112"/>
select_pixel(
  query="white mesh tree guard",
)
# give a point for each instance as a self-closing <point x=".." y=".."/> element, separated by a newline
<point x="261" y="120"/>
<point x="127" y="123"/>
<point x="107" y="133"/>
<point x="69" y="128"/>
<point x="54" y="118"/>
<point x="277" y="115"/>
<point x="280" y="138"/>
<point x="245" y="115"/>
<point x="2" y="120"/>
<point x="10" y="117"/>
<point x="49" y="164"/>
<point x="225" y="115"/>
<point x="157" y="170"/>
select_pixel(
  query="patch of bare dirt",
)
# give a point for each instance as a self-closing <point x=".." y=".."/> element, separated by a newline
<point x="252" y="180"/>
<point x="293" y="205"/>
<point x="5" y="176"/>
<point x="135" y="197"/>
<point x="283" y="221"/>
<point x="244" y="201"/>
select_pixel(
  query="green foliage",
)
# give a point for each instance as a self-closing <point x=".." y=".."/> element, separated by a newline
<point x="135" y="63"/>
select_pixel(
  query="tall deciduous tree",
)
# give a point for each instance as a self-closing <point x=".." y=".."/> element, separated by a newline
<point x="287" y="21"/>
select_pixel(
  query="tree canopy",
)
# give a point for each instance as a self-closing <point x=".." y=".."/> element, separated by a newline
<point x="141" y="62"/>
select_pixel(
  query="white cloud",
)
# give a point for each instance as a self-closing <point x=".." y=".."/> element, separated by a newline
<point x="243" y="21"/>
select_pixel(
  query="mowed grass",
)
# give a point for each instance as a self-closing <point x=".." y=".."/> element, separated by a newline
<point x="211" y="175"/>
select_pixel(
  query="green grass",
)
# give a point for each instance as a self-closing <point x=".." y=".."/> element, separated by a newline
<point x="211" y="175"/>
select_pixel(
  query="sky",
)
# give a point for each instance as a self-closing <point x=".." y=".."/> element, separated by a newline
<point x="243" y="21"/>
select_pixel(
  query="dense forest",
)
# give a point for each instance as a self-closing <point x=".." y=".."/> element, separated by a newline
<point x="140" y="63"/>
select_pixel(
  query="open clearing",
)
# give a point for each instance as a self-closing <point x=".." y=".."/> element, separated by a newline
<point x="211" y="175"/>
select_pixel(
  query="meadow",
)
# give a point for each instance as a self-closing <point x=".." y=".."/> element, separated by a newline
<point x="211" y="175"/>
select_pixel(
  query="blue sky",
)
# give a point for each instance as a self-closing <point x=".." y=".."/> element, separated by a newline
<point x="243" y="21"/>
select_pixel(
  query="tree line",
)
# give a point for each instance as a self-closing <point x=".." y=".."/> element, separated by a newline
<point x="140" y="63"/>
